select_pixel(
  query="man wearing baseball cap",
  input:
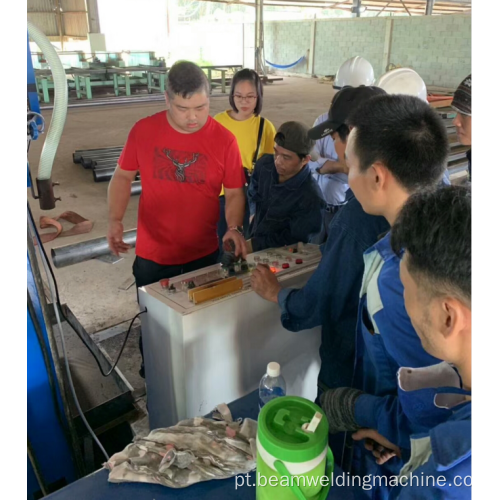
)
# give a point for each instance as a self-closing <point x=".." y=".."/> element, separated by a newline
<point x="330" y="297"/>
<point x="462" y="104"/>
<point x="326" y="168"/>
<point x="343" y="103"/>
<point x="286" y="204"/>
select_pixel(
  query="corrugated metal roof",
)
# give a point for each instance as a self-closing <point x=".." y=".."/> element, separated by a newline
<point x="75" y="25"/>
<point x="45" y="22"/>
<point x="74" y="5"/>
<point x="44" y="14"/>
<point x="40" y="5"/>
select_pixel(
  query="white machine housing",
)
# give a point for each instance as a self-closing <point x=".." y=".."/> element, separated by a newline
<point x="197" y="356"/>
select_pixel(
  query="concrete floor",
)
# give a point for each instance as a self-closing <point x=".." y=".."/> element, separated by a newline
<point x="91" y="288"/>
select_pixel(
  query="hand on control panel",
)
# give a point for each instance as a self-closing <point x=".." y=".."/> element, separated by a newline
<point x="265" y="283"/>
<point x="238" y="242"/>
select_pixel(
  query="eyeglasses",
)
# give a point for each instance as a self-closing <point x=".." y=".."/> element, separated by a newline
<point x="245" y="98"/>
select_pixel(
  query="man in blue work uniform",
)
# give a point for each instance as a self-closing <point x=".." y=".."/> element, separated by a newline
<point x="434" y="230"/>
<point x="286" y="204"/>
<point x="330" y="297"/>
<point x="328" y="169"/>
<point x="398" y="145"/>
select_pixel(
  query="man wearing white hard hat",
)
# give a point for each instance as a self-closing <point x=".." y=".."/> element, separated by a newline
<point x="408" y="82"/>
<point x="403" y="81"/>
<point x="329" y="172"/>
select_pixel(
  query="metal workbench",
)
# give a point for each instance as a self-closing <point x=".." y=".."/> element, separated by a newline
<point x="122" y="78"/>
<point x="96" y="486"/>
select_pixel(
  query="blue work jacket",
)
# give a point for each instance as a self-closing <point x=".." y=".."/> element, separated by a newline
<point x="331" y="295"/>
<point x="283" y="213"/>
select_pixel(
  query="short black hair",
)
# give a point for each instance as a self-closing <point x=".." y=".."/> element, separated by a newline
<point x="434" y="228"/>
<point x="343" y="132"/>
<point x="405" y="134"/>
<point x="247" y="75"/>
<point x="185" y="79"/>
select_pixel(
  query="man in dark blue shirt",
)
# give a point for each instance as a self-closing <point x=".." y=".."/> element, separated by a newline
<point x="286" y="204"/>
<point x="331" y="296"/>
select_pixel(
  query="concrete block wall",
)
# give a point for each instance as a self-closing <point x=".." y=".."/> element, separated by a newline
<point x="286" y="42"/>
<point x="437" y="47"/>
<point x="341" y="39"/>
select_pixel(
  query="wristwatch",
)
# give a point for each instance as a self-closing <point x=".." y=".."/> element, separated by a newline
<point x="238" y="229"/>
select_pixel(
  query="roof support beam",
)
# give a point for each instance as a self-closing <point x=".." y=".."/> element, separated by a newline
<point x="93" y="16"/>
<point x="428" y="8"/>
<point x="356" y="8"/>
<point x="260" y="65"/>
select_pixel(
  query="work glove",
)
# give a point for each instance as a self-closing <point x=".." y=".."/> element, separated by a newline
<point x="338" y="405"/>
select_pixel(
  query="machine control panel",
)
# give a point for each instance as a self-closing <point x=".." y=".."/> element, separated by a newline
<point x="199" y="288"/>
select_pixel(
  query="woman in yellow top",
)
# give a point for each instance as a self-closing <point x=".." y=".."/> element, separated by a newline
<point x="244" y="121"/>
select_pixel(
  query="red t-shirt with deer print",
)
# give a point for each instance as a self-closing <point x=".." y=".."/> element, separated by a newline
<point x="181" y="177"/>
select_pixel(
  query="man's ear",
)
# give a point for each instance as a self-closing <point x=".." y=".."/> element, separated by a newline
<point x="456" y="318"/>
<point x="167" y="101"/>
<point x="306" y="160"/>
<point x="379" y="174"/>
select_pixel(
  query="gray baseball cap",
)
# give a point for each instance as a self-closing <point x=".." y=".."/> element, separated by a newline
<point x="293" y="136"/>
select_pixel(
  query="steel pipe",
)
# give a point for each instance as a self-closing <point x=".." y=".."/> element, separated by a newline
<point x="81" y="103"/>
<point x="88" y="160"/>
<point x="136" y="188"/>
<point x="103" y="174"/>
<point x="98" y="150"/>
<point x="87" y="250"/>
<point x="101" y="163"/>
<point x="77" y="155"/>
<point x="111" y="154"/>
<point x="98" y="154"/>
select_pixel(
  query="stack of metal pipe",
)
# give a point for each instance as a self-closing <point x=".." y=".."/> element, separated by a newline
<point x="102" y="161"/>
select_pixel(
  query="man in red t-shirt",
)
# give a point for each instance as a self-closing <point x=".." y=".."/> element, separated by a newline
<point x="184" y="157"/>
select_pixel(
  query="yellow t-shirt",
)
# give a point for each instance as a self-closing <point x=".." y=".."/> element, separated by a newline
<point x="246" y="133"/>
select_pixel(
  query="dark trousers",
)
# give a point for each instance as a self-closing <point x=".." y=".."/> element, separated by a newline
<point x="147" y="272"/>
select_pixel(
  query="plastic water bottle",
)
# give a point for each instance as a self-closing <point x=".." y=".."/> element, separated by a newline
<point x="272" y="385"/>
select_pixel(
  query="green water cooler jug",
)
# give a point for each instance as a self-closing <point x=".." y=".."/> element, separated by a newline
<point x="287" y="449"/>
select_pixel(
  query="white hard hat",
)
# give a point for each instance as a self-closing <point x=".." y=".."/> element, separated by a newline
<point x="354" y="72"/>
<point x="403" y="81"/>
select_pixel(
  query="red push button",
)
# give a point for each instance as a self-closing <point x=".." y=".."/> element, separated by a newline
<point x="285" y="265"/>
<point x="164" y="283"/>
<point x="298" y="261"/>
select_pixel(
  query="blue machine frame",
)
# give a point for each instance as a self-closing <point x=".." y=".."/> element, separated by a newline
<point x="47" y="426"/>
